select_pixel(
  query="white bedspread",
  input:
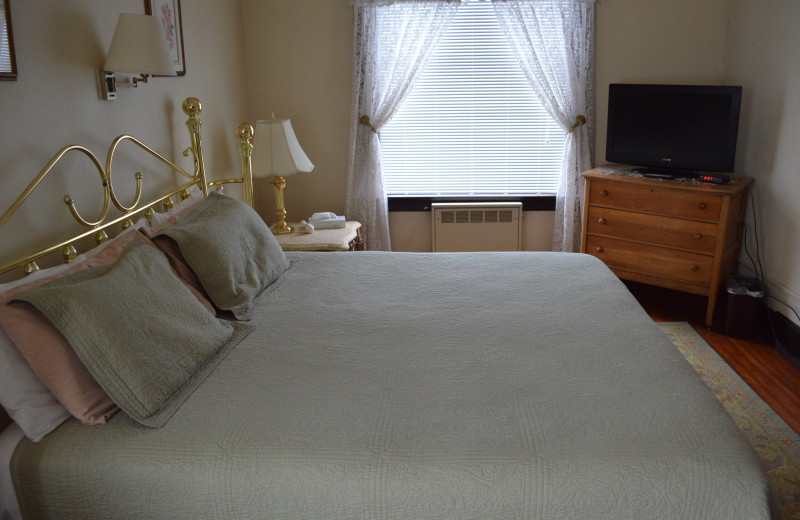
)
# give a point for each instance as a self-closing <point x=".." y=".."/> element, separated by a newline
<point x="507" y="385"/>
<point x="9" y="438"/>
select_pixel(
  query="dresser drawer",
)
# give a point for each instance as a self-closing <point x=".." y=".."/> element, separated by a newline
<point x="654" y="260"/>
<point x="666" y="231"/>
<point x="654" y="199"/>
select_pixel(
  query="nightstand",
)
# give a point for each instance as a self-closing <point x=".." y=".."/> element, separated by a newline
<point x="347" y="238"/>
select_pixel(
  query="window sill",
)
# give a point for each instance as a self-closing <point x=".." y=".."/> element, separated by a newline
<point x="529" y="203"/>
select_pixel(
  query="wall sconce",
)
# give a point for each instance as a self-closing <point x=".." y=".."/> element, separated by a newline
<point x="277" y="152"/>
<point x="138" y="47"/>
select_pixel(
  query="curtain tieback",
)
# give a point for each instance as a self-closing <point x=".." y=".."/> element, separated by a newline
<point x="365" y="121"/>
<point x="580" y="120"/>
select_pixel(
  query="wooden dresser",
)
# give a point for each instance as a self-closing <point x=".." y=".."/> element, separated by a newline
<point x="682" y="235"/>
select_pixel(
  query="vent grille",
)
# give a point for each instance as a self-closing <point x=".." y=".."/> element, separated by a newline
<point x="491" y="216"/>
<point x="487" y="226"/>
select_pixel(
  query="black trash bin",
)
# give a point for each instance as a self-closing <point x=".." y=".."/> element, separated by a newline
<point x="743" y="299"/>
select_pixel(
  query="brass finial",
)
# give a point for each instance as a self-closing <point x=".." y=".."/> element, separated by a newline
<point x="191" y="106"/>
<point x="244" y="131"/>
<point x="100" y="237"/>
<point x="30" y="268"/>
<point x="68" y="253"/>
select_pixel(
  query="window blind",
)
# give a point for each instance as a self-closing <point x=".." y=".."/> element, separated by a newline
<point x="472" y="126"/>
<point x="5" y="51"/>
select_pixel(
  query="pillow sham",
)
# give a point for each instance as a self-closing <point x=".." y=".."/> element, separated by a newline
<point x="26" y="396"/>
<point x="47" y="352"/>
<point x="148" y="343"/>
<point x="233" y="253"/>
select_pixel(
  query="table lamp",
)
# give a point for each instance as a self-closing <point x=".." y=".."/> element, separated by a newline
<point x="277" y="152"/>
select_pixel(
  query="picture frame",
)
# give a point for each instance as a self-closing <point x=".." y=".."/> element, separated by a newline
<point x="8" y="60"/>
<point x="169" y="12"/>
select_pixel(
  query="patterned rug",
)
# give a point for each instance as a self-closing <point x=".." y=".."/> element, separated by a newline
<point x="776" y="444"/>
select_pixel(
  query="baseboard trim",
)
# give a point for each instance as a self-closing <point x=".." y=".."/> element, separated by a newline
<point x="783" y="334"/>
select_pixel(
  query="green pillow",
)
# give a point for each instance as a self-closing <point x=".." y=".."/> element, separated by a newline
<point x="140" y="332"/>
<point x="232" y="251"/>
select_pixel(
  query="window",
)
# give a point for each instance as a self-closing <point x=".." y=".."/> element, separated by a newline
<point x="472" y="125"/>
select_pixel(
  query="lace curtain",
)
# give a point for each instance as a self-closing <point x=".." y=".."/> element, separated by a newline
<point x="553" y="40"/>
<point x="391" y="43"/>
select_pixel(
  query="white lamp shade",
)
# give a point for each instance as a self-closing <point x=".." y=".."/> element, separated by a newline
<point x="276" y="150"/>
<point x="139" y="47"/>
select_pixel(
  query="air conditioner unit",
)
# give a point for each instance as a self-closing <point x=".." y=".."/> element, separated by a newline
<point x="482" y="226"/>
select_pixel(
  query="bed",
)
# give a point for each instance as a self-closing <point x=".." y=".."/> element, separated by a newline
<point x="376" y="385"/>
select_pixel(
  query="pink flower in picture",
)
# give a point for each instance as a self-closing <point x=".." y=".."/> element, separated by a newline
<point x="169" y="26"/>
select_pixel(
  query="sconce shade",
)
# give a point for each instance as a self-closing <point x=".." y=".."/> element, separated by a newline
<point x="276" y="150"/>
<point x="139" y="47"/>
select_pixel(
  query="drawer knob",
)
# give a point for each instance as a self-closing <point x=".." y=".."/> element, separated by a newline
<point x="603" y="192"/>
<point x="599" y="249"/>
<point x="702" y="205"/>
<point x="693" y="267"/>
<point x="601" y="220"/>
<point x="698" y="236"/>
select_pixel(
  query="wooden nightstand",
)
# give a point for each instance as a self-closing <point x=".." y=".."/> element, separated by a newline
<point x="347" y="238"/>
<point x="682" y="235"/>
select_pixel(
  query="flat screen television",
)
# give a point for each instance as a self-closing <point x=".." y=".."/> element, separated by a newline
<point x="678" y="129"/>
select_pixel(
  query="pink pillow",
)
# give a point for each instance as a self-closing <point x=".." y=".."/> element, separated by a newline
<point x="184" y="272"/>
<point x="159" y="222"/>
<point x="51" y="357"/>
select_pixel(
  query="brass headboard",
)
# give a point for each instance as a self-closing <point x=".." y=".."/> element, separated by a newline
<point x="98" y="227"/>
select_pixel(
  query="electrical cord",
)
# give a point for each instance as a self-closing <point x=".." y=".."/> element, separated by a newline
<point x="758" y="268"/>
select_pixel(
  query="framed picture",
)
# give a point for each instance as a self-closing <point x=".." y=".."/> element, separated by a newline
<point x="8" y="62"/>
<point x="169" y="12"/>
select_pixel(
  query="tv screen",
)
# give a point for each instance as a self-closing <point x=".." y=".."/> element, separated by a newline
<point x="673" y="127"/>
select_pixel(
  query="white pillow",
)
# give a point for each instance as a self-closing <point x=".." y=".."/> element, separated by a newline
<point x="32" y="406"/>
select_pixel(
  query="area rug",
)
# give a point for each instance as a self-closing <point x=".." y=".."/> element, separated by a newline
<point x="776" y="444"/>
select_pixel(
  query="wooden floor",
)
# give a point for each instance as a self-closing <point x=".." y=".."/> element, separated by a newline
<point x="770" y="374"/>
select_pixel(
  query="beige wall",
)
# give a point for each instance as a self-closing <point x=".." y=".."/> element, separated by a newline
<point x="299" y="62"/>
<point x="763" y="55"/>
<point x="652" y="41"/>
<point x="55" y="102"/>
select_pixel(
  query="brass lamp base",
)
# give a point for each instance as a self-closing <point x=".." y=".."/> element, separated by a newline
<point x="281" y="228"/>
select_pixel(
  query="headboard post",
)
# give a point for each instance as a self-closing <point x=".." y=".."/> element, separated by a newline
<point x="245" y="135"/>
<point x="192" y="107"/>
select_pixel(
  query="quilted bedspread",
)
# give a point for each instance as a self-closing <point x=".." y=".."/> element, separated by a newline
<point x="416" y="386"/>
